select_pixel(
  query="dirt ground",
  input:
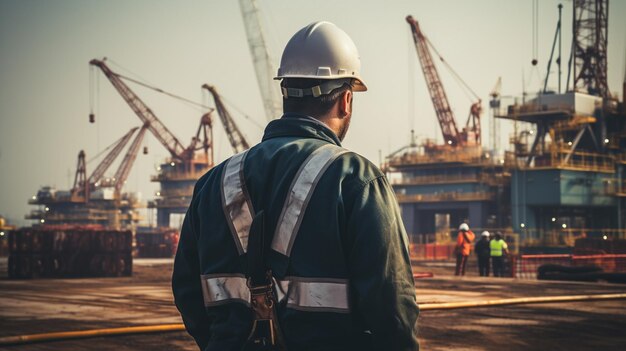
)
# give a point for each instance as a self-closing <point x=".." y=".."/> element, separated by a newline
<point x="49" y="305"/>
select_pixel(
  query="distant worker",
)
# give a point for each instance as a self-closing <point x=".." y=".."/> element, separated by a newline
<point x="499" y="249"/>
<point x="463" y="247"/>
<point x="483" y="252"/>
<point x="297" y="243"/>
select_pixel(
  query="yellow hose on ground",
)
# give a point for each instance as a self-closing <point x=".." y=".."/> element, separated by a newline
<point x="44" y="337"/>
<point x="162" y="328"/>
<point x="519" y="301"/>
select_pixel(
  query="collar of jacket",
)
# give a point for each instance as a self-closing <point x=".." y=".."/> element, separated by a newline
<point x="295" y="125"/>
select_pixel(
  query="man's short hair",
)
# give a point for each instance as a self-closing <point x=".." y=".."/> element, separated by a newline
<point x="309" y="105"/>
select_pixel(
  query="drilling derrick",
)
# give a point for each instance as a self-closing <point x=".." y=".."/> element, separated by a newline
<point x="261" y="58"/>
<point x="590" y="28"/>
<point x="80" y="190"/>
<point x="569" y="183"/>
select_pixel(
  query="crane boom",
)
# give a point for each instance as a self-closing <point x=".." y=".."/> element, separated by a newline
<point x="445" y="116"/>
<point x="145" y="114"/>
<point x="235" y="137"/>
<point x="129" y="159"/>
<point x="97" y="174"/>
<point x="261" y="58"/>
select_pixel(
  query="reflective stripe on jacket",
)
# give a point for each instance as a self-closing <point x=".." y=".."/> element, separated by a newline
<point x="338" y="254"/>
<point x="497" y="246"/>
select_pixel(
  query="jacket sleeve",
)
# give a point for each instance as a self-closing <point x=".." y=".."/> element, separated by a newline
<point x="380" y="268"/>
<point x="186" y="284"/>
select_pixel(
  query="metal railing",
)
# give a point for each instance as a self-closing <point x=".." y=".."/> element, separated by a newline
<point x="559" y="155"/>
<point x="439" y="179"/>
<point x="531" y="237"/>
<point x="581" y="160"/>
<point x="446" y="154"/>
<point x="165" y="176"/>
<point x="449" y="179"/>
<point x="446" y="196"/>
<point x="167" y="193"/>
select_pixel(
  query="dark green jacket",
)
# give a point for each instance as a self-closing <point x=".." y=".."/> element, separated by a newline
<point x="351" y="230"/>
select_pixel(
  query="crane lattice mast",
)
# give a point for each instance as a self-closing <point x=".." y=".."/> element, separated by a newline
<point x="590" y="27"/>
<point x="444" y="113"/>
<point x="261" y="58"/>
<point x="237" y="140"/>
<point x="97" y="174"/>
<point x="129" y="159"/>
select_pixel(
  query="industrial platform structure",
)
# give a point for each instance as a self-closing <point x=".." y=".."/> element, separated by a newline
<point x="564" y="177"/>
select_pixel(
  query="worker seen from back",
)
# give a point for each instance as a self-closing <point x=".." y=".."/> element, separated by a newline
<point x="297" y="243"/>
<point x="463" y="247"/>
<point x="499" y="249"/>
<point x="483" y="252"/>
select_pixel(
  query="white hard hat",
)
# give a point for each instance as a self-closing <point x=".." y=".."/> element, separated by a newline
<point x="322" y="50"/>
<point x="464" y="226"/>
<point x="485" y="233"/>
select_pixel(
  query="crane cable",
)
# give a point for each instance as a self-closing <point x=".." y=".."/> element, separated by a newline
<point x="535" y="31"/>
<point x="159" y="90"/>
<point x="230" y="104"/>
<point x="143" y="83"/>
<point x="454" y="73"/>
<point x="103" y="151"/>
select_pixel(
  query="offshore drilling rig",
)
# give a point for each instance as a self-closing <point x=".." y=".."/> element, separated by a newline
<point x="94" y="199"/>
<point x="564" y="177"/>
<point x="568" y="169"/>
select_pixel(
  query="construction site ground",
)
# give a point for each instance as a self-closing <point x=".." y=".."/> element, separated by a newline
<point x="54" y="305"/>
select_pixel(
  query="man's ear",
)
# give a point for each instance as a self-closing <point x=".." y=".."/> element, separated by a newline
<point x="345" y="104"/>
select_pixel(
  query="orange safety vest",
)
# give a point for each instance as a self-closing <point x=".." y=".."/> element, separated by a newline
<point x="464" y="242"/>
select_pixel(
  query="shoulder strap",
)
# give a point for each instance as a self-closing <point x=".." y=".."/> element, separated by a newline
<point x="299" y="194"/>
<point x="238" y="207"/>
<point x="236" y="202"/>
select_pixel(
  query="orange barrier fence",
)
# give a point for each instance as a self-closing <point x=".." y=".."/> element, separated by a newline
<point x="432" y="251"/>
<point x="526" y="265"/>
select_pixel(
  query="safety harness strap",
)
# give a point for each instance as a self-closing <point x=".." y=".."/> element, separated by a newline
<point x="300" y="193"/>
<point x="236" y="202"/>
<point x="304" y="294"/>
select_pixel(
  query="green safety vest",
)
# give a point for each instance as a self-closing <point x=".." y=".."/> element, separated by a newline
<point x="496" y="247"/>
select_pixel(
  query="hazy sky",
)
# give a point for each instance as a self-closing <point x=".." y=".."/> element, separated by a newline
<point x="45" y="47"/>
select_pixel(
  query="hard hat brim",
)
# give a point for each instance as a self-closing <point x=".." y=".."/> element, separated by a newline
<point x="358" y="84"/>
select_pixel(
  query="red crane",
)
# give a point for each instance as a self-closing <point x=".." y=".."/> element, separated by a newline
<point x="176" y="149"/>
<point x="145" y="114"/>
<point x="237" y="140"/>
<point x="451" y="134"/>
<point x="118" y="146"/>
<point x="83" y="185"/>
<point x="129" y="159"/>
